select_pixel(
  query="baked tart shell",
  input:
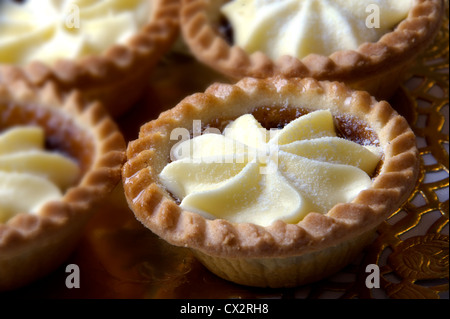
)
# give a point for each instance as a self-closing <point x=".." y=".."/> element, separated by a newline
<point x="281" y="254"/>
<point x="33" y="245"/>
<point x="118" y="76"/>
<point x="378" y="67"/>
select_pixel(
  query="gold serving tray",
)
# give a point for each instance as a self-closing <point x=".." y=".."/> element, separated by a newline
<point x="119" y="258"/>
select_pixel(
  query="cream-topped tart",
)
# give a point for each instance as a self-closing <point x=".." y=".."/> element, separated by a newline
<point x="105" y="49"/>
<point x="301" y="27"/>
<point x="52" y="30"/>
<point x="59" y="156"/>
<point x="369" y="45"/>
<point x="278" y="207"/>
<point x="252" y="175"/>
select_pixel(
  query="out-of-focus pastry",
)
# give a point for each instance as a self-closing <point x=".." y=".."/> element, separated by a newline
<point x="366" y="44"/>
<point x="105" y="49"/>
<point x="58" y="158"/>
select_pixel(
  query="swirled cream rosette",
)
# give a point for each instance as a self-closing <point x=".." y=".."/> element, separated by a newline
<point x="367" y="44"/>
<point x="252" y="175"/>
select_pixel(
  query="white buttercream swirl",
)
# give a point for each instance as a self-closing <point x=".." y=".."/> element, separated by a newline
<point x="53" y="29"/>
<point x="30" y="176"/>
<point x="250" y="174"/>
<point x="300" y="27"/>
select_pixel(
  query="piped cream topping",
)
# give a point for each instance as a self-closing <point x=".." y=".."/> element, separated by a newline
<point x="30" y="176"/>
<point x="53" y="29"/>
<point x="300" y="27"/>
<point x="251" y="174"/>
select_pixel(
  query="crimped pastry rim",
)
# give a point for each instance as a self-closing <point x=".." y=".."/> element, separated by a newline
<point x="100" y="70"/>
<point x="153" y="206"/>
<point x="409" y="38"/>
<point x="24" y="231"/>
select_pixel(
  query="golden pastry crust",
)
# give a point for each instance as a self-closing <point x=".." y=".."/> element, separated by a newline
<point x="219" y="242"/>
<point x="118" y="76"/>
<point x="375" y="67"/>
<point x="32" y="245"/>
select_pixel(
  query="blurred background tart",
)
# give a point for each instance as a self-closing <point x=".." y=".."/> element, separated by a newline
<point x="366" y="44"/>
<point x="105" y="49"/>
<point x="59" y="156"/>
